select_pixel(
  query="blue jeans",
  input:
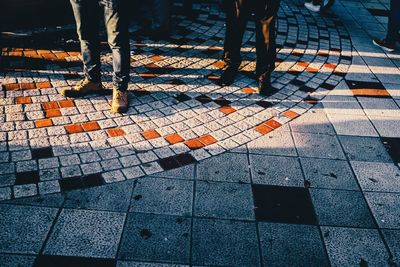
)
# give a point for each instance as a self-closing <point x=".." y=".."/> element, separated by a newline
<point x="394" y="22"/>
<point x="87" y="16"/>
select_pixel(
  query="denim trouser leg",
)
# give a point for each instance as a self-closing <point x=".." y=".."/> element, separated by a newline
<point x="87" y="23"/>
<point x="118" y="40"/>
<point x="161" y="14"/>
<point x="394" y="22"/>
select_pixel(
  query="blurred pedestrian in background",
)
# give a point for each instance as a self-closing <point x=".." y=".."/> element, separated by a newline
<point x="392" y="36"/>
<point x="155" y="17"/>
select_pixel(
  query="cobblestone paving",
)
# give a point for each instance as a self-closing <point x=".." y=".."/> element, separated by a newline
<point x="307" y="177"/>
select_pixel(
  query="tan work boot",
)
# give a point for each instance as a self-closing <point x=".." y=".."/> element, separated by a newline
<point x="119" y="101"/>
<point x="82" y="88"/>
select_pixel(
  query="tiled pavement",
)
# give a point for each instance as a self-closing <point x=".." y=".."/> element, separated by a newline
<point x="199" y="175"/>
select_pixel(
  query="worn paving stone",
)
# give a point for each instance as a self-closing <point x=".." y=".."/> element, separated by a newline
<point x="24" y="229"/>
<point x="226" y="243"/>
<point x="162" y="196"/>
<point x="377" y="176"/>
<point x="364" y="149"/>
<point x="356" y="125"/>
<point x="52" y="200"/>
<point x="315" y="121"/>
<point x="278" y="143"/>
<point x="228" y="167"/>
<point x="274" y="170"/>
<point x="186" y="172"/>
<point x="318" y="146"/>
<point x="152" y="237"/>
<point x="279" y="249"/>
<point x="8" y="260"/>
<point x="332" y="208"/>
<point x="224" y="200"/>
<point x="386" y="208"/>
<point x="86" y="233"/>
<point x="352" y="247"/>
<point x="392" y="238"/>
<point x="144" y="264"/>
<point x="328" y="173"/>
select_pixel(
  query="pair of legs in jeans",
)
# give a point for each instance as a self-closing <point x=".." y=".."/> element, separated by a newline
<point x="238" y="14"/>
<point x="389" y="43"/>
<point x="88" y="15"/>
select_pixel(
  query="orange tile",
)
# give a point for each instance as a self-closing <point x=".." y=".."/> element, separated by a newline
<point x="371" y="92"/>
<point x="50" y="105"/>
<point x="194" y="144"/>
<point x="43" y="123"/>
<point x="30" y="53"/>
<point x="263" y="129"/>
<point x="207" y="140"/>
<point x="213" y="77"/>
<point x="157" y="58"/>
<point x="330" y="66"/>
<point x="312" y="70"/>
<point x="90" y="126"/>
<point x="148" y="75"/>
<point x="273" y="124"/>
<point x="73" y="128"/>
<point x="74" y="54"/>
<point x="41" y="51"/>
<point x="290" y="114"/>
<point x="150" y="134"/>
<point x="248" y="90"/>
<point x="61" y="55"/>
<point x="43" y="85"/>
<point x="49" y="56"/>
<point x="23" y="100"/>
<point x="219" y="64"/>
<point x="66" y="103"/>
<point x="303" y="64"/>
<point x="322" y="53"/>
<point x="11" y="86"/>
<point x="227" y="109"/>
<point x="51" y="113"/>
<point x="115" y="132"/>
<point x="152" y="66"/>
<point x="174" y="139"/>
<point x="27" y="86"/>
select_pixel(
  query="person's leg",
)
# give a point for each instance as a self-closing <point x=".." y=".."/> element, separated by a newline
<point x="118" y="40"/>
<point x="237" y="14"/>
<point x="161" y="15"/>
<point x="86" y="14"/>
<point x="266" y="12"/>
<point x="393" y="22"/>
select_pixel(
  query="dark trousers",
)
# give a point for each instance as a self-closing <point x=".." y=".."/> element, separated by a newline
<point x="237" y="14"/>
<point x="394" y="22"/>
<point x="87" y="16"/>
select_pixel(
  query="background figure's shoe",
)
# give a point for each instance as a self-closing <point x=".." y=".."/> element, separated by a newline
<point x="82" y="88"/>
<point x="264" y="85"/>
<point x="382" y="43"/>
<point x="310" y="6"/>
<point x="119" y="101"/>
<point x="228" y="76"/>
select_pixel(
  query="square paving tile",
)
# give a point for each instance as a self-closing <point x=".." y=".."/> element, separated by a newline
<point x="186" y="172"/>
<point x="52" y="200"/>
<point x="364" y="148"/>
<point x="314" y="121"/>
<point x="328" y="173"/>
<point x="392" y="146"/>
<point x="277" y="142"/>
<point x="86" y="233"/>
<point x="163" y="196"/>
<point x="8" y="260"/>
<point x="318" y="145"/>
<point x="375" y="176"/>
<point x="226" y="243"/>
<point x="224" y="200"/>
<point x="332" y="208"/>
<point x="386" y="208"/>
<point x="275" y="170"/>
<point x="101" y="197"/>
<point x="283" y="204"/>
<point x="68" y="261"/>
<point x="152" y="237"/>
<point x="294" y="245"/>
<point x="24" y="229"/>
<point x="392" y="238"/>
<point x="228" y="167"/>
<point x="144" y="264"/>
<point x="358" y="125"/>
<point x="353" y="247"/>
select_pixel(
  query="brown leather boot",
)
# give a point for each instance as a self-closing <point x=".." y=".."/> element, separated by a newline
<point x="119" y="101"/>
<point x="82" y="88"/>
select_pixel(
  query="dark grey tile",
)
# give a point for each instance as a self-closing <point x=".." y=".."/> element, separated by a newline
<point x="386" y="208"/>
<point x="364" y="148"/>
<point x="24" y="229"/>
<point x="332" y="208"/>
<point x="113" y="197"/>
<point x="68" y="261"/>
<point x="186" y="172"/>
<point x="227" y="243"/>
<point x="160" y="238"/>
<point x="392" y="238"/>
<point x="86" y="233"/>
<point x="292" y="245"/>
<point x="228" y="167"/>
<point x="163" y="196"/>
<point x="16" y="260"/>
<point x="283" y="204"/>
<point x="145" y="264"/>
<point x="52" y="200"/>
<point x="224" y="200"/>
<point x="353" y="247"/>
<point x="274" y="170"/>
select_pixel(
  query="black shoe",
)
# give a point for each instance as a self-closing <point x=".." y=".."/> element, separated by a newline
<point x="264" y="85"/>
<point x="382" y="43"/>
<point x="228" y="77"/>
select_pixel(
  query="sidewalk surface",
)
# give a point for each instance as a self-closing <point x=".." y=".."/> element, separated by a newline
<point x="200" y="175"/>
